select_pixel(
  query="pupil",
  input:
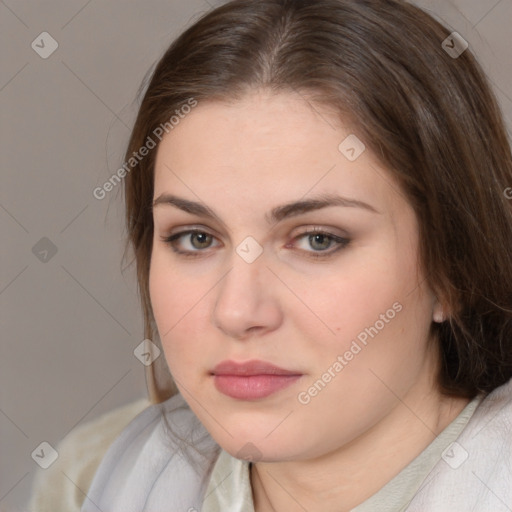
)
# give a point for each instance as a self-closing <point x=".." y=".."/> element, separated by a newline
<point x="202" y="239"/>
<point x="320" y="241"/>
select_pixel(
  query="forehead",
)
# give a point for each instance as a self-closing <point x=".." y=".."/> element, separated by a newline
<point x="270" y="149"/>
<point x="259" y="124"/>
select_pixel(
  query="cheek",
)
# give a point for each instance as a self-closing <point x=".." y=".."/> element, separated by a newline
<point x="176" y="301"/>
<point x="372" y="306"/>
<point x="162" y="286"/>
<point x="346" y="300"/>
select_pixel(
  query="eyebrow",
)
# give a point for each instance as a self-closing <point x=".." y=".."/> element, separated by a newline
<point x="276" y="214"/>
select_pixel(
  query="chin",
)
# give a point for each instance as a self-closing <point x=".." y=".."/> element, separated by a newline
<point x="258" y="451"/>
<point x="256" y="444"/>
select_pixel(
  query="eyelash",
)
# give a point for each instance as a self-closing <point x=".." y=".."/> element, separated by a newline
<point x="340" y="241"/>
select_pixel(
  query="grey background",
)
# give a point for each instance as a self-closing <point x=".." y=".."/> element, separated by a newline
<point x="70" y="323"/>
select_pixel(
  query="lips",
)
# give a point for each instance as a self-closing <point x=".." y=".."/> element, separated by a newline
<point x="251" y="380"/>
<point x="250" y="368"/>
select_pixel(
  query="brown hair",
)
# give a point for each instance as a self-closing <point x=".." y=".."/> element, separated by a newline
<point x="431" y="119"/>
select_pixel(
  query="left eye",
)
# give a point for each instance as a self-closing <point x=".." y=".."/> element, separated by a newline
<point x="320" y="242"/>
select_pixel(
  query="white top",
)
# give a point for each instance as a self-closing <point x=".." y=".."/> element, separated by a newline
<point x="62" y="486"/>
<point x="148" y="469"/>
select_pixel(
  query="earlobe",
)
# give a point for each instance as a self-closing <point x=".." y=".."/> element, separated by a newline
<point x="438" y="315"/>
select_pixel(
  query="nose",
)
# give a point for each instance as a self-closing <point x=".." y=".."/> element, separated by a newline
<point x="246" y="303"/>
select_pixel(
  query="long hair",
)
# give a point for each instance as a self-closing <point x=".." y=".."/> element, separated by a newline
<point x="429" y="116"/>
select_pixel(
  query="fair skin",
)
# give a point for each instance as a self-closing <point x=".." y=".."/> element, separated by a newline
<point x="298" y="312"/>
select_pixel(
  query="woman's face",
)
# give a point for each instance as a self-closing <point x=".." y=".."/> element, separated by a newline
<point x="303" y="263"/>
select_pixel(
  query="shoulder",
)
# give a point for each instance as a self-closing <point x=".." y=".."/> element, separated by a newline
<point x="60" y="486"/>
<point x="163" y="456"/>
<point x="475" y="472"/>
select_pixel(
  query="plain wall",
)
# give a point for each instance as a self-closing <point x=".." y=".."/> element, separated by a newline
<point x="71" y="320"/>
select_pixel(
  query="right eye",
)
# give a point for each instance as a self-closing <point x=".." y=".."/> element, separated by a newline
<point x="190" y="242"/>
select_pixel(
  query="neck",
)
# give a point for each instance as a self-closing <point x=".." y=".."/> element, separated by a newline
<point x="342" y="479"/>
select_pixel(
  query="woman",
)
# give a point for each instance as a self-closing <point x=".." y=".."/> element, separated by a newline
<point x="316" y="202"/>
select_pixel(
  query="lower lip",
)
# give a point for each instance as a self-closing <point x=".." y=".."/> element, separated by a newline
<point x="252" y="387"/>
